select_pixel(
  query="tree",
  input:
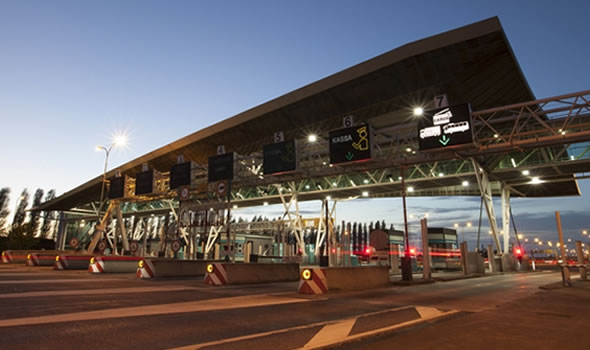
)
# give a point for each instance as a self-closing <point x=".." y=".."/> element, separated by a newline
<point x="48" y="217"/>
<point x="4" y="198"/>
<point x="35" y="217"/>
<point x="20" y="215"/>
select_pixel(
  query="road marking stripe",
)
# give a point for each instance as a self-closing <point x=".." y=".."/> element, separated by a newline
<point x="331" y="333"/>
<point x="381" y="330"/>
<point x="161" y="309"/>
<point x="279" y="331"/>
<point x="428" y="312"/>
<point x="96" y="291"/>
<point x="71" y="280"/>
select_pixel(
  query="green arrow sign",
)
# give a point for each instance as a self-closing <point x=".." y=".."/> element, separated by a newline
<point x="444" y="140"/>
<point x="349" y="155"/>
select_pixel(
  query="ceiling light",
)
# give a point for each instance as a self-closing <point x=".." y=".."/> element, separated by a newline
<point x="410" y="189"/>
<point x="418" y="111"/>
<point x="525" y="172"/>
<point x="465" y="183"/>
<point x="365" y="194"/>
<point x="312" y="138"/>
<point x="535" y="180"/>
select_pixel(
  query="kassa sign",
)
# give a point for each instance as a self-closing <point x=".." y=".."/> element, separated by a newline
<point x="445" y="127"/>
<point x="350" y="144"/>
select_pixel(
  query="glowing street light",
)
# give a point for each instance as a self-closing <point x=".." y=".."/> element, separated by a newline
<point x="119" y="140"/>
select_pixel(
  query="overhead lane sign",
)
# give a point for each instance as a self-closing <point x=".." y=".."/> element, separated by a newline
<point x="221" y="167"/>
<point x="445" y="127"/>
<point x="350" y="144"/>
<point x="280" y="157"/>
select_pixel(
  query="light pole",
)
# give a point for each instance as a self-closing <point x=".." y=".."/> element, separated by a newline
<point x="118" y="141"/>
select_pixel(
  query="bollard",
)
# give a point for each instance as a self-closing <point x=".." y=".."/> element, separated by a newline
<point x="565" y="272"/>
<point x="581" y="265"/>
<point x="463" y="249"/>
<point x="425" y="251"/>
<point x="491" y="259"/>
<point x="394" y="258"/>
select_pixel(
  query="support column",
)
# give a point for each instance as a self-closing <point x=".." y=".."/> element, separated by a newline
<point x="485" y="190"/>
<point x="425" y="250"/>
<point x="505" y="217"/>
<point x="122" y="227"/>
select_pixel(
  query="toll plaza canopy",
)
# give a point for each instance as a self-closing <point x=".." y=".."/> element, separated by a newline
<point x="472" y="65"/>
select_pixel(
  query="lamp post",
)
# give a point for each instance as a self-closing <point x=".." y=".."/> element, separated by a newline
<point x="118" y="141"/>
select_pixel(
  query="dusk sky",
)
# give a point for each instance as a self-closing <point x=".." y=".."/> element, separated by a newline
<point x="74" y="72"/>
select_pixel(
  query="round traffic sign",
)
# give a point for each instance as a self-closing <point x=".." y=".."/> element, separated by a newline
<point x="133" y="246"/>
<point x="221" y="188"/>
<point x="184" y="193"/>
<point x="175" y="245"/>
<point x="102" y="245"/>
<point x="74" y="242"/>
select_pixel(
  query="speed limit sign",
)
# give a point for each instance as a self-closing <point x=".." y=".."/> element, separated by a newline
<point x="175" y="245"/>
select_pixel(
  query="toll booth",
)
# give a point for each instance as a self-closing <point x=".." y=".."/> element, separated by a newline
<point x="444" y="248"/>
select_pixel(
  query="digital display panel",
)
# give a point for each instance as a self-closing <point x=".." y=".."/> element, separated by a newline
<point x="221" y="167"/>
<point x="117" y="187"/>
<point x="280" y="157"/>
<point x="350" y="144"/>
<point x="144" y="182"/>
<point x="180" y="175"/>
<point x="445" y="127"/>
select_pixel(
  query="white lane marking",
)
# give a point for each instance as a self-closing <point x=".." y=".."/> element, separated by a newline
<point x="331" y="333"/>
<point x="161" y="309"/>
<point x="428" y="312"/>
<point x="280" y="331"/>
<point x="96" y="291"/>
<point x="70" y="280"/>
<point x="381" y="330"/>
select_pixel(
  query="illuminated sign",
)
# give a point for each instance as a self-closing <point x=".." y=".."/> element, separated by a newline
<point x="221" y="167"/>
<point x="180" y="175"/>
<point x="280" y="157"/>
<point x="445" y="127"/>
<point x="350" y="144"/>
<point x="144" y="182"/>
<point x="117" y="187"/>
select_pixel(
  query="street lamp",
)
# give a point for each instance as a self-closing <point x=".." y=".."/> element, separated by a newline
<point x="118" y="141"/>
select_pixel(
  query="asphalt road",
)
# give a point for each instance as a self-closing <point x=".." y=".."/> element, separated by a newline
<point x="45" y="309"/>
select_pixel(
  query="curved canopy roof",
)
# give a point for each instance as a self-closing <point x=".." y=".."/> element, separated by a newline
<point x="473" y="64"/>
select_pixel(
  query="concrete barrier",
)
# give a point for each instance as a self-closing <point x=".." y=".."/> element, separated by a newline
<point x="20" y="256"/>
<point x="72" y="262"/>
<point x="156" y="268"/>
<point x="41" y="259"/>
<point x="321" y="280"/>
<point x="113" y="264"/>
<point x="228" y="273"/>
<point x="508" y="263"/>
<point x="475" y="263"/>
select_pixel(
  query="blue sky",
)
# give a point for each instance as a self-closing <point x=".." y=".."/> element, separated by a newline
<point x="73" y="72"/>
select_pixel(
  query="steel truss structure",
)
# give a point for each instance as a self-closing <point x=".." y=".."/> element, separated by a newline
<point x="549" y="137"/>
